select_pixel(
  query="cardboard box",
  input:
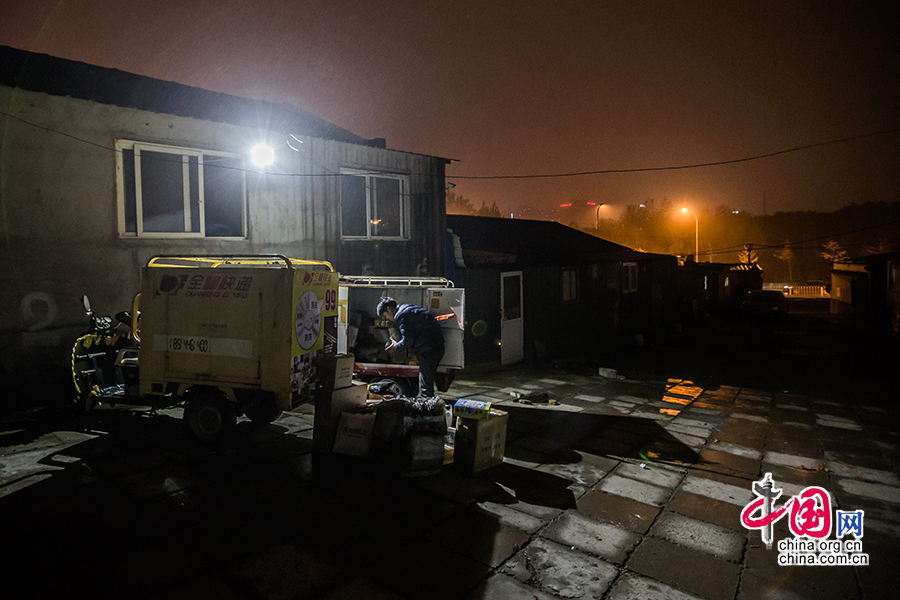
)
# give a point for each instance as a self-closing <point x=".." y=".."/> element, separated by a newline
<point x="335" y="371"/>
<point x="471" y="409"/>
<point x="480" y="443"/>
<point x="329" y="406"/>
<point x="354" y="433"/>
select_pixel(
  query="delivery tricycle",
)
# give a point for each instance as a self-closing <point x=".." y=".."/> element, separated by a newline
<point x="225" y="335"/>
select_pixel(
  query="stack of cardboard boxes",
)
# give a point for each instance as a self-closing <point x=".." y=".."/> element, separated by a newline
<point x="480" y="437"/>
<point x="335" y="393"/>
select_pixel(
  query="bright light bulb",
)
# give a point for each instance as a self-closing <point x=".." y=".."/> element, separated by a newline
<point x="262" y="155"/>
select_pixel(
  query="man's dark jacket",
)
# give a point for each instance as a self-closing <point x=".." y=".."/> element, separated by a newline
<point x="419" y="329"/>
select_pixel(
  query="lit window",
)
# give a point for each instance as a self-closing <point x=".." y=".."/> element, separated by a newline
<point x="374" y="205"/>
<point x="167" y="191"/>
<point x="570" y="284"/>
<point x="629" y="277"/>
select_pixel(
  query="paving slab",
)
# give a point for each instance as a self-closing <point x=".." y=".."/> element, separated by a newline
<point x="727" y="462"/>
<point x="561" y="571"/>
<point x="509" y="516"/>
<point x="592" y="536"/>
<point x="686" y="569"/>
<point x="656" y="473"/>
<point x="703" y="508"/>
<point x="631" y="586"/>
<point x="636" y="490"/>
<point x="722" y="542"/>
<point x="586" y="469"/>
<point x="710" y="487"/>
<point x="622" y="512"/>
<point x="865" y="489"/>
<point x="767" y="579"/>
<point x="502" y="587"/>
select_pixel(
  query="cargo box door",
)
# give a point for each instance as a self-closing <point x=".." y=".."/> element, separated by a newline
<point x="448" y="307"/>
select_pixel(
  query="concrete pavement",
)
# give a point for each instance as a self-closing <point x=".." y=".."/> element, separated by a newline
<point x="625" y="489"/>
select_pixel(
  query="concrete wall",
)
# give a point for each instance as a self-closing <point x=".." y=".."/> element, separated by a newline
<point x="59" y="225"/>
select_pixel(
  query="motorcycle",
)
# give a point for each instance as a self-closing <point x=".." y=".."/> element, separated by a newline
<point x="105" y="359"/>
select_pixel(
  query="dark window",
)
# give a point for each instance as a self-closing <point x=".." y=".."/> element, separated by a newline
<point x="170" y="191"/>
<point x="353" y="206"/>
<point x="570" y="284"/>
<point x="373" y="205"/>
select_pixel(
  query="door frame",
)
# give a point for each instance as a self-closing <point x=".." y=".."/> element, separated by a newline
<point x="512" y="331"/>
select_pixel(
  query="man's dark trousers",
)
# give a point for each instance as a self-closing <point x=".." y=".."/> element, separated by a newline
<point x="428" y="364"/>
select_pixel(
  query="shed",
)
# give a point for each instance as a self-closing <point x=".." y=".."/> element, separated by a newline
<point x="538" y="290"/>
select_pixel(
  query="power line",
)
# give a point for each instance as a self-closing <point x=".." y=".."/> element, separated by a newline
<point x="534" y="175"/>
<point x="680" y="167"/>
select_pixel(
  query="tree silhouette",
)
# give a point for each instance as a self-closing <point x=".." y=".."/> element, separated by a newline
<point x="833" y="252"/>
<point x="786" y="254"/>
<point x="489" y="211"/>
<point x="748" y="256"/>
<point x="458" y="204"/>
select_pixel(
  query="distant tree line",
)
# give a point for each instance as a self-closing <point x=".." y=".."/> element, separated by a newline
<point x="789" y="246"/>
<point x="460" y="205"/>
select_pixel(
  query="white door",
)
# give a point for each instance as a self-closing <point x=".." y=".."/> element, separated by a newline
<point x="511" y="329"/>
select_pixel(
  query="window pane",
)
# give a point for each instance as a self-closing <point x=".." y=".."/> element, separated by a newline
<point x="512" y="308"/>
<point x="353" y="206"/>
<point x="386" y="215"/>
<point x="223" y="196"/>
<point x="128" y="182"/>
<point x="162" y="191"/>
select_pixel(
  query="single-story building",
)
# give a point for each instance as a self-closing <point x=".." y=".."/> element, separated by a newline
<point x="538" y="290"/>
<point x="714" y="287"/>
<point x="868" y="286"/>
<point x="102" y="169"/>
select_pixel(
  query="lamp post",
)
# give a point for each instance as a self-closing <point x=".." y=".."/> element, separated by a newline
<point x="696" y="234"/>
<point x="599" y="206"/>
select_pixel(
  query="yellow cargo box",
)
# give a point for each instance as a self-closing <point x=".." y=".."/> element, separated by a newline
<point x="251" y="327"/>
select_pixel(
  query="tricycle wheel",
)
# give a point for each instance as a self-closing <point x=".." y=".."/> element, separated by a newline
<point x="262" y="411"/>
<point x="209" y="416"/>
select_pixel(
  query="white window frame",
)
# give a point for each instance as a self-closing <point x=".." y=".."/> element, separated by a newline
<point x="370" y="175"/>
<point x="630" y="277"/>
<point x="184" y="152"/>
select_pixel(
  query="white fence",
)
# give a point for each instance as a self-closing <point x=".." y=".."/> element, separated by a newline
<point x="799" y="291"/>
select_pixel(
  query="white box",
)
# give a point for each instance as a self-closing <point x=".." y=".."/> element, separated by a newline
<point x="335" y="371"/>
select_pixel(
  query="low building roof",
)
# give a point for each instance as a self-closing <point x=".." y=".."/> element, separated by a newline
<point x="487" y="240"/>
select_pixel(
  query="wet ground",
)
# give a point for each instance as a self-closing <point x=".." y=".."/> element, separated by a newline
<point x="628" y="488"/>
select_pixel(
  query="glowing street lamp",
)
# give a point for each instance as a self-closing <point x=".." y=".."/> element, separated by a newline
<point x="696" y="234"/>
<point x="599" y="206"/>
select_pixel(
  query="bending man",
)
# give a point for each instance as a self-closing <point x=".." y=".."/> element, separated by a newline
<point x="421" y="334"/>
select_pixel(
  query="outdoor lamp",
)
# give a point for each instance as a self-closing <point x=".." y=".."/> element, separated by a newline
<point x="696" y="234"/>
<point x="262" y="155"/>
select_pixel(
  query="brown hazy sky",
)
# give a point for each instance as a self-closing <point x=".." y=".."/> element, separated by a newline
<point x="515" y="87"/>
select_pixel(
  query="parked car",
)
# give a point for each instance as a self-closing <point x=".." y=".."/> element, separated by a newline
<point x="765" y="302"/>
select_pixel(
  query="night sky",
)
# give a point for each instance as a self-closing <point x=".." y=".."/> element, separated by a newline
<point x="541" y="88"/>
